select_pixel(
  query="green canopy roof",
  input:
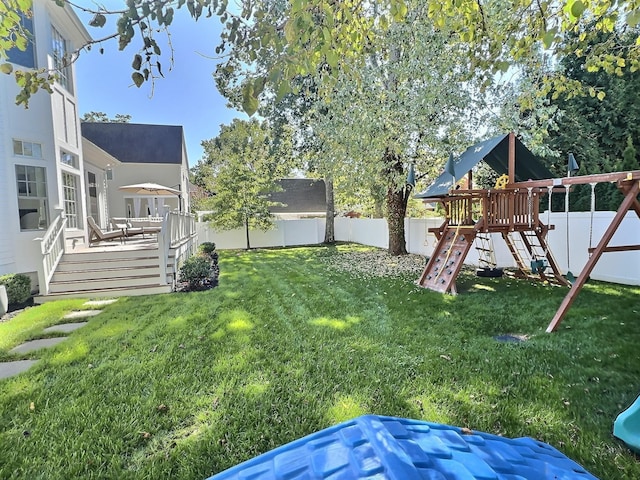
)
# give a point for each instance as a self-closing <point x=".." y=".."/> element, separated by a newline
<point x="495" y="152"/>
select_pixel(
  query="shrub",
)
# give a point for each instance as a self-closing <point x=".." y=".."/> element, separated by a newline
<point x="195" y="270"/>
<point x="207" y="248"/>
<point x="18" y="287"/>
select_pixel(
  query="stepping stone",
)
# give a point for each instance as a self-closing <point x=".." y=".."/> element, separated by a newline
<point x="9" y="369"/>
<point x="65" y="327"/>
<point x="82" y="314"/>
<point x="37" y="345"/>
<point x="100" y="303"/>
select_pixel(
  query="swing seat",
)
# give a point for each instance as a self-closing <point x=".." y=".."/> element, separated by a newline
<point x="490" y="272"/>
<point x="538" y="264"/>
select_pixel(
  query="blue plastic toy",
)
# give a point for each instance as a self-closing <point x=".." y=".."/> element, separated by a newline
<point x="627" y="426"/>
<point x="376" y="447"/>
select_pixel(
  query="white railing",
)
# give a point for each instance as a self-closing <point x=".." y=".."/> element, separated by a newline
<point x="178" y="234"/>
<point x="52" y="248"/>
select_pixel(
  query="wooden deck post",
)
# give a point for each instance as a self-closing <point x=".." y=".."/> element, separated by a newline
<point x="512" y="158"/>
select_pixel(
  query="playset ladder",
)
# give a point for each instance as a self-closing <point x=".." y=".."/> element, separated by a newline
<point x="532" y="245"/>
<point x="486" y="254"/>
<point x="448" y="257"/>
<point x="518" y="250"/>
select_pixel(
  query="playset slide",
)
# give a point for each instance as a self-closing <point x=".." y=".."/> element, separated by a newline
<point x="627" y="426"/>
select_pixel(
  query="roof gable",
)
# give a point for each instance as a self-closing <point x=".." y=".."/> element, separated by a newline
<point x="137" y="143"/>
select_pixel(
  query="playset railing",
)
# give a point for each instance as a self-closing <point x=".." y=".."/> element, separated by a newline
<point x="508" y="209"/>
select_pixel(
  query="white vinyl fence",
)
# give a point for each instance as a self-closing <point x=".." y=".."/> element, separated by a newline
<point x="287" y="233"/>
<point x="619" y="267"/>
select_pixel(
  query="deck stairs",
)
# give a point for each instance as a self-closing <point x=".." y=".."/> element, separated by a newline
<point x="448" y="258"/>
<point x="110" y="271"/>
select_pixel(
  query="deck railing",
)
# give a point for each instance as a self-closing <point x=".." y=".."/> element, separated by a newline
<point x="52" y="248"/>
<point x="178" y="234"/>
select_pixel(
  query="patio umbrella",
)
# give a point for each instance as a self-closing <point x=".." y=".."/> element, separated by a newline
<point x="151" y="189"/>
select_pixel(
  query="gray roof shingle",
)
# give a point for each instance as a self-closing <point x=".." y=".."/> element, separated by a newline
<point x="300" y="195"/>
<point x="137" y="143"/>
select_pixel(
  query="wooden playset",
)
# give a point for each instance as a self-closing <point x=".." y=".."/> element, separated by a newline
<point x="512" y="210"/>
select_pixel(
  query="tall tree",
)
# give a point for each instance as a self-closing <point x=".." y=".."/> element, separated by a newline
<point x="410" y="102"/>
<point x="101" y="117"/>
<point x="413" y="104"/>
<point x="241" y="166"/>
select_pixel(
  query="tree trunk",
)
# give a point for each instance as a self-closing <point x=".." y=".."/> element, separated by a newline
<point x="329" y="229"/>
<point x="396" y="205"/>
<point x="246" y="227"/>
<point x="396" y="210"/>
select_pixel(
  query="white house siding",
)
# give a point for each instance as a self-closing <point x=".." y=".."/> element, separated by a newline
<point x="20" y="250"/>
<point x="169" y="175"/>
<point x="32" y="125"/>
<point x="96" y="162"/>
<point x="6" y="239"/>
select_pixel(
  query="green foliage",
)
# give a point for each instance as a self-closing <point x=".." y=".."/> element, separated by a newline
<point x="484" y="177"/>
<point x="629" y="157"/>
<point x="18" y="287"/>
<point x="207" y="248"/>
<point x="101" y="117"/>
<point x="187" y="385"/>
<point x="241" y="165"/>
<point x="628" y="163"/>
<point x="327" y="38"/>
<point x="409" y="102"/>
<point x="599" y="133"/>
<point x="195" y="270"/>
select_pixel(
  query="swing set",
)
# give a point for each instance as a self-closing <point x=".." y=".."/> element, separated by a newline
<point x="513" y="212"/>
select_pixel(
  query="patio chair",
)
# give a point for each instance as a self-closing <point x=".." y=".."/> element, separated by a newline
<point x="133" y="227"/>
<point x="96" y="234"/>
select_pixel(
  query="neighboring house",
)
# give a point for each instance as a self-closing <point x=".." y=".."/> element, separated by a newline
<point x="299" y="198"/>
<point x="137" y="148"/>
<point x="41" y="159"/>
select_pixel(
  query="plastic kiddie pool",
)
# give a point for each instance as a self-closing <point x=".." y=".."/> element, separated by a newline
<point x="377" y="447"/>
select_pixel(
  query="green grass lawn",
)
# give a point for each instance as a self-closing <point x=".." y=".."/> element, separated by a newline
<point x="185" y="385"/>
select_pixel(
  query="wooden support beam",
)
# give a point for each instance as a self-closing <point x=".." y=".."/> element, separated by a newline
<point x="628" y="203"/>
<point x="625" y="186"/>
<point x="512" y="158"/>
<point x="621" y="248"/>
<point x="581" y="180"/>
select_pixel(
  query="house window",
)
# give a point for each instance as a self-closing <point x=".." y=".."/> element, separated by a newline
<point x="61" y="58"/>
<point x="32" y="197"/>
<point x="92" y="200"/>
<point x="69" y="159"/>
<point x="69" y="192"/>
<point x="26" y="58"/>
<point x="27" y="149"/>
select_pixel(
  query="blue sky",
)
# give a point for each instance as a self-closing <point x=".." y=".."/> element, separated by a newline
<point x="187" y="95"/>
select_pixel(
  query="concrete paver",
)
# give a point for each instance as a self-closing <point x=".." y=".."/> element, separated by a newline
<point x="100" y="303"/>
<point x="9" y="369"/>
<point x="37" y="345"/>
<point x="82" y="314"/>
<point x="65" y="327"/>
